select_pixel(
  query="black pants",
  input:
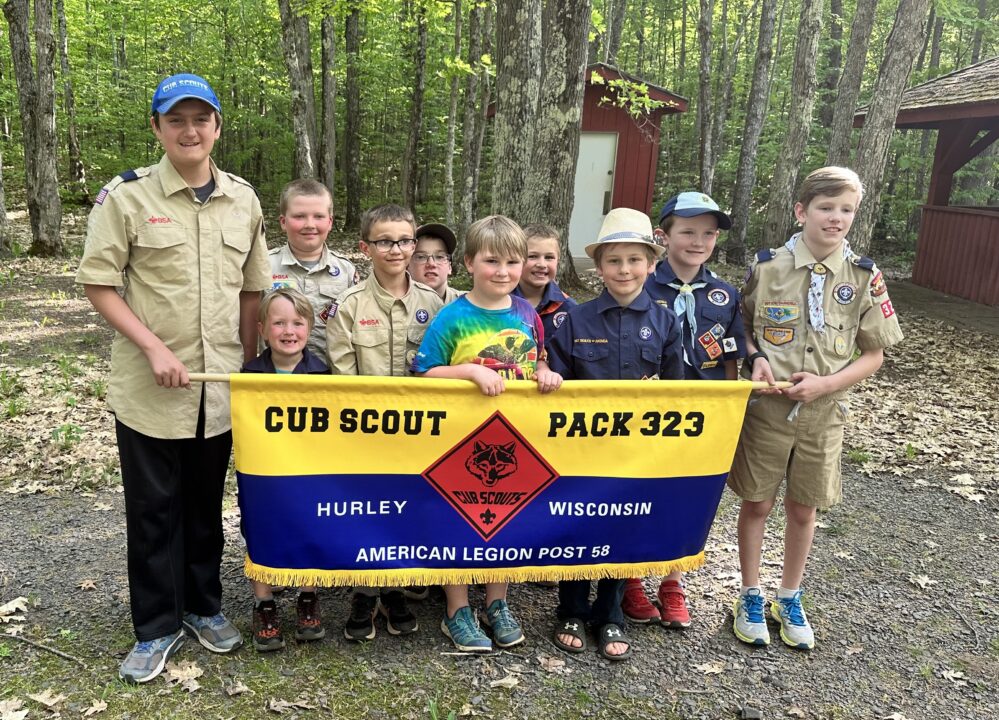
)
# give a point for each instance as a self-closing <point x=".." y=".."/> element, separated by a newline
<point x="574" y="601"/>
<point x="173" y="515"/>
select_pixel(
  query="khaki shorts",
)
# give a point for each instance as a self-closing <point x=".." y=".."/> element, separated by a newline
<point x="807" y="450"/>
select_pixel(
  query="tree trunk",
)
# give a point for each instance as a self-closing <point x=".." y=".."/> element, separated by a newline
<point x="410" y="156"/>
<point x="452" y="121"/>
<point x="872" y="152"/>
<point x="615" y="25"/>
<point x="848" y="89"/>
<point x="980" y="171"/>
<point x="77" y="175"/>
<point x="352" y="126"/>
<point x="937" y="23"/>
<point x="36" y="100"/>
<point x="473" y="115"/>
<point x="300" y="84"/>
<point x="756" y="110"/>
<point x="976" y="39"/>
<point x="327" y="166"/>
<point x="834" y="63"/>
<point x="779" y="217"/>
<point x="705" y="156"/>
<point x="552" y="178"/>
<point x="5" y="243"/>
<point x="518" y="59"/>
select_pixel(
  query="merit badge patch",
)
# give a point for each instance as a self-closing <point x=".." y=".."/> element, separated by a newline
<point x="781" y="313"/>
<point x="778" y="336"/>
<point x="422" y="316"/>
<point x="718" y="297"/>
<point x="559" y="319"/>
<point x="717" y="330"/>
<point x="844" y="293"/>
<point x="645" y="332"/>
<point x="886" y="309"/>
<point x="709" y="364"/>
<point x="878" y="286"/>
<point x="99" y="200"/>
<point x="491" y="475"/>
<point x="713" y="350"/>
<point x="839" y="345"/>
<point x="707" y="339"/>
<point x="729" y="345"/>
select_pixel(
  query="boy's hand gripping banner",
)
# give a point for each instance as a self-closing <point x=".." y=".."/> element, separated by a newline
<point x="391" y="481"/>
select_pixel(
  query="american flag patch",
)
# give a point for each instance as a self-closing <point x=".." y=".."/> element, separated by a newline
<point x="99" y="200"/>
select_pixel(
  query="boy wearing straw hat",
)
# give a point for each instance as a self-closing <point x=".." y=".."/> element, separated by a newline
<point x="621" y="335"/>
<point x="175" y="260"/>
<point x="817" y="315"/>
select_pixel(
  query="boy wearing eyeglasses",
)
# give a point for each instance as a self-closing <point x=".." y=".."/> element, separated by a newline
<point x="431" y="262"/>
<point x="375" y="328"/>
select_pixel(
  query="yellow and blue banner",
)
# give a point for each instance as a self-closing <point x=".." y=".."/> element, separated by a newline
<point x="392" y="481"/>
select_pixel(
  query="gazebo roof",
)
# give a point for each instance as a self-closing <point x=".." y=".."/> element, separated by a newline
<point x="971" y="92"/>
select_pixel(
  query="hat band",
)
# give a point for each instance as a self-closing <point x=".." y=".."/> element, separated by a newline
<point x="626" y="235"/>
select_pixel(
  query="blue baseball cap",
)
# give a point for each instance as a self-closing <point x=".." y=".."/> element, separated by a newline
<point x="692" y="204"/>
<point x="183" y="87"/>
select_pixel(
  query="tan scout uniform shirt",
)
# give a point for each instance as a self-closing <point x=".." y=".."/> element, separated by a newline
<point x="858" y="313"/>
<point x="182" y="266"/>
<point x="322" y="284"/>
<point x="373" y="333"/>
<point x="450" y="294"/>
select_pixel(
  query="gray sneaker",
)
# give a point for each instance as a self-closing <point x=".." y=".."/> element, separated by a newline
<point x="794" y="628"/>
<point x="216" y="632"/>
<point x="750" y="624"/>
<point x="148" y="658"/>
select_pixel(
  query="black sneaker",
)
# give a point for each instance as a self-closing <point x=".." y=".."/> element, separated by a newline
<point x="361" y="623"/>
<point x="399" y="619"/>
<point x="416" y="592"/>
<point x="267" y="627"/>
<point x="310" y="622"/>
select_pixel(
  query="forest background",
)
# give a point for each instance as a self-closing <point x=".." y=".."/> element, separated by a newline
<point x="386" y="100"/>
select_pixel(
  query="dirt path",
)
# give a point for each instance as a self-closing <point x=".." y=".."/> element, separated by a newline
<point x="901" y="585"/>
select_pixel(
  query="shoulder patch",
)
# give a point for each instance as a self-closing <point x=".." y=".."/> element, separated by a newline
<point x="764" y="255"/>
<point x="863" y="262"/>
<point x="129" y="176"/>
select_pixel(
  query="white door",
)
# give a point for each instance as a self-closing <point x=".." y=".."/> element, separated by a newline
<point x="594" y="188"/>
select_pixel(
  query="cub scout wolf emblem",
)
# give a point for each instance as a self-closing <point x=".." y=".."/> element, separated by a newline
<point x="492" y="463"/>
<point x="468" y="475"/>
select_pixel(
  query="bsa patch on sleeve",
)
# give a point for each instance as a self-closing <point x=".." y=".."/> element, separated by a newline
<point x="878" y="286"/>
<point x="729" y="345"/>
<point x="99" y="200"/>
<point x="887" y="309"/>
<point x="328" y="312"/>
<point x="777" y="335"/>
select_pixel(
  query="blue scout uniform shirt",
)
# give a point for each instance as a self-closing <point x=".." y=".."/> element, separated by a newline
<point x="600" y="340"/>
<point x="553" y="307"/>
<point x="308" y="365"/>
<point x="720" y="333"/>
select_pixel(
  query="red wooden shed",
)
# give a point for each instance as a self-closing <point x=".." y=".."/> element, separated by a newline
<point x="958" y="247"/>
<point x="617" y="152"/>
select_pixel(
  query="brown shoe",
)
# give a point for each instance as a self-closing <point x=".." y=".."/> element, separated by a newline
<point x="267" y="627"/>
<point x="310" y="621"/>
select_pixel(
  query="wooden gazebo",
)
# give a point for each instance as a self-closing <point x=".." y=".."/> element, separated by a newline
<point x="958" y="247"/>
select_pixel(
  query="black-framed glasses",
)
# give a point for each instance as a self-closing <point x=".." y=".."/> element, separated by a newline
<point x="387" y="245"/>
<point x="423" y="258"/>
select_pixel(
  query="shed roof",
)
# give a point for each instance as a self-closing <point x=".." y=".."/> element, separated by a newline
<point x="672" y="101"/>
<point x="971" y="92"/>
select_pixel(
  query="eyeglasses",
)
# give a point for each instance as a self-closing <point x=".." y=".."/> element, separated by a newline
<point x="385" y="246"/>
<point x="423" y="258"/>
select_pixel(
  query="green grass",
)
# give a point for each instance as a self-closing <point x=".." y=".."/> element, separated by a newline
<point x="67" y="435"/>
<point x="857" y="455"/>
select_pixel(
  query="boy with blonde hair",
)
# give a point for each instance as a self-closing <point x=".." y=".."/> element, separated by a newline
<point x="817" y="315"/>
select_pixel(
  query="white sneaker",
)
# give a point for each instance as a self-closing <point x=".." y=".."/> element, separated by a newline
<point x="794" y="628"/>
<point x="750" y="624"/>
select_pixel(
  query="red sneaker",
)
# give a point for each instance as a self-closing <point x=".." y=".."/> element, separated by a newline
<point x="635" y="604"/>
<point x="673" y="605"/>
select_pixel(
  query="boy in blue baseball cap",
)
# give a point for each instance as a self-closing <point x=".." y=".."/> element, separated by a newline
<point x="713" y="341"/>
<point x="175" y="260"/>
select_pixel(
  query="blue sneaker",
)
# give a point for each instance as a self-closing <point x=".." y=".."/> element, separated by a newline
<point x="750" y="624"/>
<point x="464" y="631"/>
<point x="506" y="629"/>
<point x="216" y="632"/>
<point x="794" y="628"/>
<point x="148" y="658"/>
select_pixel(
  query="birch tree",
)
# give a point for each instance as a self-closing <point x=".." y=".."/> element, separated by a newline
<point x="901" y="49"/>
<point x="778" y="217"/>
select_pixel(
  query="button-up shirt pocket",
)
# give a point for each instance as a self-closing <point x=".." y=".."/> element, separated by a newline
<point x="159" y="254"/>
<point x="236" y="246"/>
<point x="651" y="361"/>
<point x="590" y="361"/>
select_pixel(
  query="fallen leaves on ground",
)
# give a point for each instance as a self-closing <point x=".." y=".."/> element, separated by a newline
<point x="283" y="706"/>
<point x="922" y="581"/>
<point x="955" y="676"/>
<point x="99" y="706"/>
<point x="553" y="664"/>
<point x="11" y="709"/>
<point x="185" y="674"/>
<point x="87" y="585"/>
<point x="508" y="682"/>
<point x="9" y="611"/>
<point x="716" y="667"/>
<point x="237" y="688"/>
<point x="48" y="698"/>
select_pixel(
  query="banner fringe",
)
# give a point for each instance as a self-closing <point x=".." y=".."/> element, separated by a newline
<point x="407" y="577"/>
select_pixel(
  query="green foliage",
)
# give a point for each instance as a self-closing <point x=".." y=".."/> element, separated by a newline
<point x="10" y="384"/>
<point x="858" y="455"/>
<point x="67" y="435"/>
<point x="12" y="407"/>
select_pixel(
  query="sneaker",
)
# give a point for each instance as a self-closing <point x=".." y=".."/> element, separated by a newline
<point x="216" y="632"/>
<point x="750" y="624"/>
<point x="399" y="619"/>
<point x="673" y="611"/>
<point x="506" y="629"/>
<point x="148" y="658"/>
<point x="794" y="628"/>
<point x="636" y="605"/>
<point x="464" y="631"/>
<point x="361" y="623"/>
<point x="416" y="592"/>
<point x="309" y="625"/>
<point x="267" y="627"/>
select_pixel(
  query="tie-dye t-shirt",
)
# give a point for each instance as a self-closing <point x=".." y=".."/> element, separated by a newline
<point x="507" y="341"/>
